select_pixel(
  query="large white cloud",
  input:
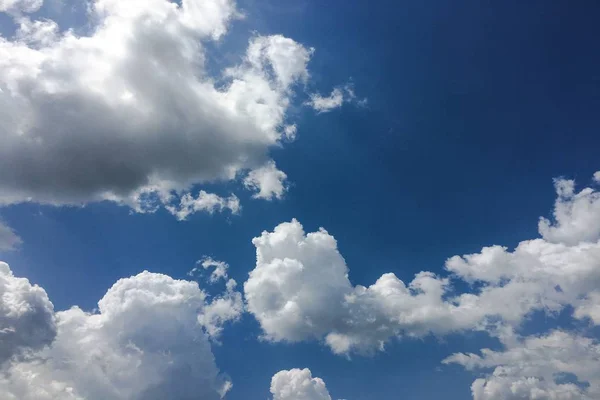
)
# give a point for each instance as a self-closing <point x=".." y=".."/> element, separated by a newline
<point x="26" y="316"/>
<point x="556" y="366"/>
<point x="298" y="384"/>
<point x="146" y="341"/>
<point x="300" y="289"/>
<point x="130" y="111"/>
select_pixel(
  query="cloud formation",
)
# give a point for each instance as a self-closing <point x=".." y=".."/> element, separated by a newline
<point x="148" y="340"/>
<point x="27" y="319"/>
<point x="300" y="289"/>
<point x="298" y="384"/>
<point x="267" y="181"/>
<point x="9" y="240"/>
<point x="130" y="111"/>
<point x="18" y="6"/>
<point x="219" y="272"/>
<point x="336" y="99"/>
<point x="559" y="365"/>
<point x="206" y="202"/>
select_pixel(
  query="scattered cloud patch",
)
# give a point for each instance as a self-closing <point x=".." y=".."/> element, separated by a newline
<point x="219" y="272"/>
<point x="204" y="202"/>
<point x="328" y="103"/>
<point x="298" y="384"/>
<point x="336" y="99"/>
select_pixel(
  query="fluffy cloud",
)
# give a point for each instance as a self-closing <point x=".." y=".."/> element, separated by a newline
<point x="298" y="384"/>
<point x="26" y="316"/>
<point x="130" y="110"/>
<point x="146" y="341"/>
<point x="300" y="289"/>
<point x="558" y="365"/>
<point x="267" y="181"/>
<point x="325" y="104"/>
<point x="577" y="214"/>
<point x="9" y="240"/>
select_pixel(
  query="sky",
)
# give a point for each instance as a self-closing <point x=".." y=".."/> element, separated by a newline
<point x="299" y="200"/>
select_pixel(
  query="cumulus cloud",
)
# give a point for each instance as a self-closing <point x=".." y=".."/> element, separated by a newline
<point x="298" y="384"/>
<point x="26" y="316"/>
<point x="9" y="240"/>
<point x="577" y="215"/>
<point x="300" y="289"/>
<point x="131" y="111"/>
<point x="267" y="181"/>
<point x="146" y="341"/>
<point x="559" y="365"/>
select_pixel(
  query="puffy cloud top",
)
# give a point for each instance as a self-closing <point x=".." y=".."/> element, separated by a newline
<point x="300" y="289"/>
<point x="298" y="384"/>
<point x="577" y="214"/>
<point x="147" y="341"/>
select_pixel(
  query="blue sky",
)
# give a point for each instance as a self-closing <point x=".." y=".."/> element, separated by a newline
<point x="472" y="109"/>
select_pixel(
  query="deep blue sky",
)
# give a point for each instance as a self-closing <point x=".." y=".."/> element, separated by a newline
<point x="473" y="108"/>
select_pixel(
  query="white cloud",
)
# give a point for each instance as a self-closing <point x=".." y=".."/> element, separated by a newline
<point x="206" y="202"/>
<point x="577" y="215"/>
<point x="147" y="341"/>
<point x="17" y="6"/>
<point x="221" y="310"/>
<point x="219" y="272"/>
<point x="536" y="367"/>
<point x="9" y="240"/>
<point x="300" y="289"/>
<point x="298" y="384"/>
<point x="26" y="316"/>
<point x="336" y="99"/>
<point x="589" y="307"/>
<point x="325" y="104"/>
<point x="597" y="177"/>
<point x="131" y="110"/>
<point x="267" y="181"/>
